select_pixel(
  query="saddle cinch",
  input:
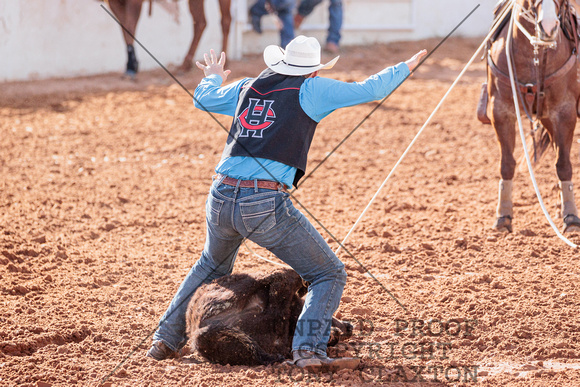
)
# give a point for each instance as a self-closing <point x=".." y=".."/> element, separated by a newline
<point x="571" y="31"/>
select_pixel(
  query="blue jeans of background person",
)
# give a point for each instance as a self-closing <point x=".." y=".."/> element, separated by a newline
<point x="284" y="9"/>
<point x="334" y="17"/>
<point x="268" y="218"/>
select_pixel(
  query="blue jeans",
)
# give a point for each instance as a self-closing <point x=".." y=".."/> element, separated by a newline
<point x="283" y="9"/>
<point x="268" y="218"/>
<point x="334" y="17"/>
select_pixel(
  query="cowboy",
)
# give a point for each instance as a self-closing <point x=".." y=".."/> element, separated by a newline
<point x="275" y="116"/>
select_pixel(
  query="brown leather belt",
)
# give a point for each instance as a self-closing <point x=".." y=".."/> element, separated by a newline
<point x="266" y="184"/>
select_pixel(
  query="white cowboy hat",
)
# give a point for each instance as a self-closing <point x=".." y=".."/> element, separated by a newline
<point x="301" y="57"/>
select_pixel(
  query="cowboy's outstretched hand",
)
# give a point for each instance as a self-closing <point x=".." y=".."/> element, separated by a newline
<point x="415" y="60"/>
<point x="213" y="66"/>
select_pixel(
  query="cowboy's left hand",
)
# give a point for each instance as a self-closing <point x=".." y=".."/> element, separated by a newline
<point x="415" y="60"/>
<point x="213" y="66"/>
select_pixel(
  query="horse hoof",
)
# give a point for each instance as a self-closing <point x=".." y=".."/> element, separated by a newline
<point x="185" y="67"/>
<point x="571" y="223"/>
<point x="130" y="75"/>
<point x="503" y="224"/>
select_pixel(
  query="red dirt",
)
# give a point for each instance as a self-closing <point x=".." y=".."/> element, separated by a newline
<point x="102" y="215"/>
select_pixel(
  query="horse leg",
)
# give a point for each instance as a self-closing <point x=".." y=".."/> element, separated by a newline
<point x="197" y="10"/>
<point x="118" y="9"/>
<point x="506" y="137"/>
<point x="504" y="212"/>
<point x="569" y="211"/>
<point x="226" y="22"/>
<point x="128" y="12"/>
<point x="132" y="13"/>
<point x="565" y="122"/>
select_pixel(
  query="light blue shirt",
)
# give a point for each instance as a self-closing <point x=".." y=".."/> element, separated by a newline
<point x="318" y="98"/>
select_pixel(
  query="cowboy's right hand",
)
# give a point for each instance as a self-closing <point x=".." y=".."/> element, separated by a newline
<point x="213" y="66"/>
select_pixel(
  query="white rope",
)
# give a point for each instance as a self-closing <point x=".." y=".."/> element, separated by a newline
<point x="523" y="136"/>
<point x="263" y="258"/>
<point x="491" y="32"/>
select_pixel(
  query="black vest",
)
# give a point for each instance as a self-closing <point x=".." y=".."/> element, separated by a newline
<point x="269" y="122"/>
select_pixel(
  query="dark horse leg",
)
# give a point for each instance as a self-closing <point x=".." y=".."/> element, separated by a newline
<point x="503" y="121"/>
<point x="562" y="122"/>
<point x="128" y="12"/>
<point x="196" y="7"/>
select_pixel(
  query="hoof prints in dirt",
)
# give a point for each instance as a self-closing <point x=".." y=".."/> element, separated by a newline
<point x="28" y="346"/>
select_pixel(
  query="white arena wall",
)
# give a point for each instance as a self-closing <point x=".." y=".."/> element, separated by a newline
<point x="64" y="38"/>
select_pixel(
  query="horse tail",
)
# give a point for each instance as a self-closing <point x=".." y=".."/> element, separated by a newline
<point x="536" y="143"/>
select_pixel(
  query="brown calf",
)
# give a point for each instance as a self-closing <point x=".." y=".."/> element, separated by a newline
<point x="245" y="319"/>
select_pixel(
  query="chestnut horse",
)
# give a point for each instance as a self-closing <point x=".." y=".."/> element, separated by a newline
<point x="128" y="12"/>
<point x="544" y="44"/>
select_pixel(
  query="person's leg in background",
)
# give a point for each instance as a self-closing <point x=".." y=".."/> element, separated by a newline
<point x="335" y="15"/>
<point x="304" y="9"/>
<point x="335" y="25"/>
<point x="285" y="11"/>
<point x="256" y="12"/>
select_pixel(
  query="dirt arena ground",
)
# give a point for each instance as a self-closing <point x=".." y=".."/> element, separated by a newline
<point x="102" y="191"/>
